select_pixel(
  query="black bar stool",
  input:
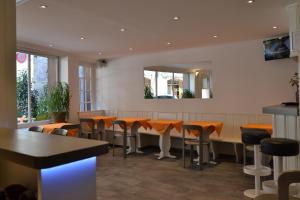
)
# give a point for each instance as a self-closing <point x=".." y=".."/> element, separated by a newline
<point x="253" y="138"/>
<point x="278" y="148"/>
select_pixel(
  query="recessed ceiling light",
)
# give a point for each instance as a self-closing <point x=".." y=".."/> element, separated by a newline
<point x="51" y="45"/>
<point x="176" y="18"/>
<point x="215" y="36"/>
<point x="250" y="1"/>
<point x="275" y="27"/>
<point x="43" y="6"/>
<point x="122" y="29"/>
<point x="169" y="43"/>
<point x="130" y="49"/>
<point x="99" y="53"/>
<point x="82" y="38"/>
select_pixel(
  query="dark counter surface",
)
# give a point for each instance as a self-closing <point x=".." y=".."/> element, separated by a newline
<point x="282" y="109"/>
<point x="39" y="150"/>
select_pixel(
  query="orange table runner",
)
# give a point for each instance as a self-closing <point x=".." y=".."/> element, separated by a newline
<point x="217" y="126"/>
<point x="48" y="128"/>
<point x="107" y="120"/>
<point x="267" y="127"/>
<point x="162" y="125"/>
<point x="130" y="120"/>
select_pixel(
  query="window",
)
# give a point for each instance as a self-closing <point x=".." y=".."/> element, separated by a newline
<point x="32" y="87"/>
<point x="85" y="88"/>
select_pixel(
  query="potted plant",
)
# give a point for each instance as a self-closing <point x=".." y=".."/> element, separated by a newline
<point x="59" y="101"/>
<point x="294" y="81"/>
<point x="147" y="92"/>
<point x="187" y="94"/>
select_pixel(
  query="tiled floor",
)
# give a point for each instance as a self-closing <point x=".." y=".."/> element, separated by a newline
<point x="143" y="177"/>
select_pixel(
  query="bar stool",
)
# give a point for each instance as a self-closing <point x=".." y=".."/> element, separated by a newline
<point x="278" y="148"/>
<point x="257" y="170"/>
<point x="123" y="125"/>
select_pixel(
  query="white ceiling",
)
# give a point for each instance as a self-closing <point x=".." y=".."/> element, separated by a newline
<point x="148" y="23"/>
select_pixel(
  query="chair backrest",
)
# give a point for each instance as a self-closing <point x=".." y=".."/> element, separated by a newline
<point x="86" y="125"/>
<point x="35" y="129"/>
<point x="121" y="123"/>
<point x="284" y="180"/>
<point x="73" y="129"/>
<point x="59" y="131"/>
<point x="188" y="127"/>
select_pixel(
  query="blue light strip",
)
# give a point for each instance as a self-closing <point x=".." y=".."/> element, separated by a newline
<point x="89" y="163"/>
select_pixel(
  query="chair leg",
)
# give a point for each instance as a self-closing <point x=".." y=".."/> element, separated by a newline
<point x="183" y="152"/>
<point x="244" y="155"/>
<point x="113" y="144"/>
<point x="124" y="145"/>
<point x="191" y="154"/>
<point x="236" y="153"/>
<point x="135" y="144"/>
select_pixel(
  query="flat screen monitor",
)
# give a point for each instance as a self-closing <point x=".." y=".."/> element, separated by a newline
<point x="277" y="48"/>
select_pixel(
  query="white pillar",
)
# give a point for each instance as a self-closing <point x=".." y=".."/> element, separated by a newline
<point x="8" y="64"/>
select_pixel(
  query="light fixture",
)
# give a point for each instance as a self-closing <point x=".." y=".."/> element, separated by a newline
<point x="275" y="27"/>
<point x="250" y="1"/>
<point x="176" y="18"/>
<point x="122" y="29"/>
<point x="99" y="53"/>
<point x="130" y="49"/>
<point x="215" y="36"/>
<point x="51" y="45"/>
<point x="169" y="43"/>
<point x="82" y="38"/>
<point x="43" y="6"/>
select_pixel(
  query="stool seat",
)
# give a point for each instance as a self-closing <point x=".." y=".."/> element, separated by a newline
<point x="254" y="137"/>
<point x="280" y="147"/>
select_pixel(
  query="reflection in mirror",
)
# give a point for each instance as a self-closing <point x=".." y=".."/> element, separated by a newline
<point x="177" y="83"/>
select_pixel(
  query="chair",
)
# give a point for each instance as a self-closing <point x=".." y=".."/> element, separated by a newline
<point x="122" y="124"/>
<point x="59" y="131"/>
<point x="90" y="128"/>
<point x="284" y="180"/>
<point x="202" y="139"/>
<point x="73" y="129"/>
<point x="248" y="146"/>
<point x="36" y="129"/>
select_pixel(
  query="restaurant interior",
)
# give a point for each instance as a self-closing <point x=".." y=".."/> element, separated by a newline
<point x="149" y="99"/>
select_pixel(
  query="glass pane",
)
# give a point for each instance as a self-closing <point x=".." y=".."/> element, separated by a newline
<point x="178" y="85"/>
<point x="165" y="85"/>
<point x="88" y="107"/>
<point x="81" y="71"/>
<point x="150" y="84"/>
<point x="22" y="60"/>
<point x="39" y="87"/>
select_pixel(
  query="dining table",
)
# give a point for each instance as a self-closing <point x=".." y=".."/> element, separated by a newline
<point x="208" y="127"/>
<point x="134" y="123"/>
<point x="104" y="122"/>
<point x="163" y="127"/>
<point x="48" y="128"/>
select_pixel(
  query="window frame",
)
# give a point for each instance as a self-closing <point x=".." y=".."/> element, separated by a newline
<point x="87" y="83"/>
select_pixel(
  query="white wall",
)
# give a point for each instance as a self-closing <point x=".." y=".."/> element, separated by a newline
<point x="242" y="81"/>
<point x="8" y="104"/>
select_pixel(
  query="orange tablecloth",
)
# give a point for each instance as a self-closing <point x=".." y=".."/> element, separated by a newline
<point x="267" y="127"/>
<point x="107" y="120"/>
<point x="217" y="126"/>
<point x="130" y="120"/>
<point x="48" y="128"/>
<point x="161" y="125"/>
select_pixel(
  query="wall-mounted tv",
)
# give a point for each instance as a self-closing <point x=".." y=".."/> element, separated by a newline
<point x="277" y="48"/>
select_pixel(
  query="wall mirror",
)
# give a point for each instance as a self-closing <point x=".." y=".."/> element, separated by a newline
<point x="169" y="82"/>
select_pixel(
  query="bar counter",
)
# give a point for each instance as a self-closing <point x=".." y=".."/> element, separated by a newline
<point x="57" y="167"/>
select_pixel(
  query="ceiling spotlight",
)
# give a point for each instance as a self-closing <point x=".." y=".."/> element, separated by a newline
<point x="130" y="49"/>
<point x="51" y="45"/>
<point x="215" y="36"/>
<point x="43" y="6"/>
<point x="99" y="53"/>
<point x="122" y="29"/>
<point x="275" y="27"/>
<point x="250" y="1"/>
<point x="169" y="43"/>
<point x="176" y="18"/>
<point x="82" y="38"/>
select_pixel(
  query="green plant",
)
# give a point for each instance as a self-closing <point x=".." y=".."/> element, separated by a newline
<point x="294" y="81"/>
<point x="187" y="94"/>
<point x="59" y="98"/>
<point x="147" y="92"/>
<point x="42" y="106"/>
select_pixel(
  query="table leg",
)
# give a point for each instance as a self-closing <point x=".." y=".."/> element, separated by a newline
<point x="165" y="145"/>
<point x="131" y="143"/>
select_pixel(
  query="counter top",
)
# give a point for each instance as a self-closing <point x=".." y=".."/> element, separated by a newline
<point x="281" y="109"/>
<point x="38" y="150"/>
